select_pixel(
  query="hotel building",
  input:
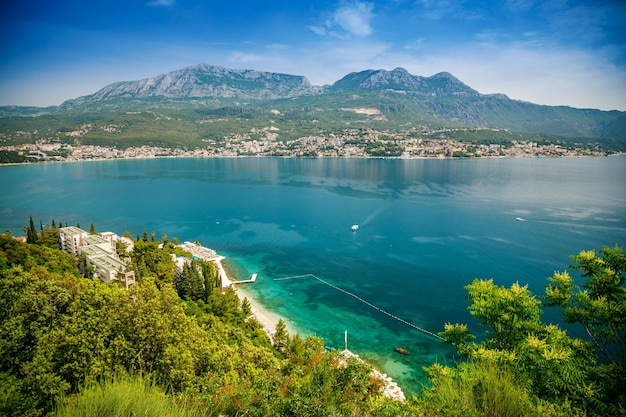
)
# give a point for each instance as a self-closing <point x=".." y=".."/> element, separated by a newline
<point x="100" y="253"/>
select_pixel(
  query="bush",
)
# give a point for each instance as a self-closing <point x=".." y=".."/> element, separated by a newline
<point x="125" y="397"/>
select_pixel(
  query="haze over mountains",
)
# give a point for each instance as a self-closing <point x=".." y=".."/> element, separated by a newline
<point x="395" y="96"/>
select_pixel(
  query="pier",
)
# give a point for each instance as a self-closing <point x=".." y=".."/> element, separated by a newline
<point x="246" y="281"/>
<point x="210" y="255"/>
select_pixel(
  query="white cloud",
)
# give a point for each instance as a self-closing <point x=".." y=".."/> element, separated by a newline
<point x="550" y="75"/>
<point x="415" y="45"/>
<point x="277" y="46"/>
<point x="355" y="19"/>
<point x="437" y="10"/>
<point x="161" y="3"/>
<point x="246" y="58"/>
<point x="318" y="30"/>
<point x="536" y="69"/>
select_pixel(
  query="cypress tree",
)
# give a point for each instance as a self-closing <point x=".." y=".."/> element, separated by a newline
<point x="31" y="235"/>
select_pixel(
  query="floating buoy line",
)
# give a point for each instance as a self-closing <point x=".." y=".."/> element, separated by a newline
<point x="401" y="320"/>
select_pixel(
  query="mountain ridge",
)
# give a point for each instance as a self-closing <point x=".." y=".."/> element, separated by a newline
<point x="399" y="79"/>
<point x="397" y="96"/>
<point x="201" y="81"/>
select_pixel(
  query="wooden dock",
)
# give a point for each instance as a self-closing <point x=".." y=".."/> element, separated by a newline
<point x="247" y="281"/>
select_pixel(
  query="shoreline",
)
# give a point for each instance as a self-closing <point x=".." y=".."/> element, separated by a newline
<point x="406" y="158"/>
<point x="269" y="320"/>
<point x="265" y="317"/>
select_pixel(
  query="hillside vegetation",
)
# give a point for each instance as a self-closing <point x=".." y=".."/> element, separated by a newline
<point x="73" y="346"/>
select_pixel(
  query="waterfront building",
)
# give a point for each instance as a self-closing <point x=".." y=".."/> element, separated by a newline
<point x="99" y="252"/>
<point x="70" y="239"/>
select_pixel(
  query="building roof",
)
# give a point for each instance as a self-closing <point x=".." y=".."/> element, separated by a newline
<point x="94" y="240"/>
<point x="108" y="263"/>
<point x="72" y="230"/>
<point x="93" y="251"/>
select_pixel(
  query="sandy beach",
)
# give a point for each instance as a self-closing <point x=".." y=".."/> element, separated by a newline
<point x="268" y="319"/>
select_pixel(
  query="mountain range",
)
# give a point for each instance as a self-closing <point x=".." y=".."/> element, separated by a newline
<point x="392" y="98"/>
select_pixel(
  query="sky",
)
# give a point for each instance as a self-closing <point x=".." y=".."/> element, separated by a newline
<point x="556" y="52"/>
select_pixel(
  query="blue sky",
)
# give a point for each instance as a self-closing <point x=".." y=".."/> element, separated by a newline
<point x="560" y="52"/>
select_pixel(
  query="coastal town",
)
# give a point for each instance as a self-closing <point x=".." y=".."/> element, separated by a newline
<point x="350" y="143"/>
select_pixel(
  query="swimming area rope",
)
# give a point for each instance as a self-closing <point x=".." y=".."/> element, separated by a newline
<point x="421" y="329"/>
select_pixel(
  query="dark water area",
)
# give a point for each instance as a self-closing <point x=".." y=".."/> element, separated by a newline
<point x="426" y="229"/>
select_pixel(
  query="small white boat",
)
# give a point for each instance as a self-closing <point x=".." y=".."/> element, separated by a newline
<point x="355" y="227"/>
<point x="520" y="219"/>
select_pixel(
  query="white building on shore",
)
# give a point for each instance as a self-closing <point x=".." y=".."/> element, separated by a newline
<point x="99" y="252"/>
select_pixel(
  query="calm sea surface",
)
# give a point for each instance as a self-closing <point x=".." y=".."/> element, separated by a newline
<point x="427" y="228"/>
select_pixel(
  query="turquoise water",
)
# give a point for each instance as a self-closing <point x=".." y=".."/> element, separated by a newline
<point x="427" y="228"/>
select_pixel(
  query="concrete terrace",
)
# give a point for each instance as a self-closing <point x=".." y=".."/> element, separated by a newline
<point x="210" y="255"/>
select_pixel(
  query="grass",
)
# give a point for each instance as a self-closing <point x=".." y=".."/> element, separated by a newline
<point x="480" y="389"/>
<point x="131" y="396"/>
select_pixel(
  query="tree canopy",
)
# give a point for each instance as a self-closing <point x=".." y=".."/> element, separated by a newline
<point x="177" y="344"/>
<point x="573" y="375"/>
<point x="62" y="335"/>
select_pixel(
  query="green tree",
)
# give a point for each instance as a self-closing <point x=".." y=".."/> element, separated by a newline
<point x="147" y="259"/>
<point x="92" y="229"/>
<point x="225" y="306"/>
<point x="61" y="334"/>
<point x="49" y="236"/>
<point x="280" y="338"/>
<point x="597" y="301"/>
<point x="511" y="313"/>
<point x="555" y="365"/>
<point x="246" y="308"/>
<point x="189" y="283"/>
<point x="120" y="247"/>
<point x="82" y="264"/>
<point x="458" y="336"/>
<point x="31" y="236"/>
<point x="211" y="278"/>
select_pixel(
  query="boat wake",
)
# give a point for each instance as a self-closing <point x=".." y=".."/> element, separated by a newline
<point x="372" y="216"/>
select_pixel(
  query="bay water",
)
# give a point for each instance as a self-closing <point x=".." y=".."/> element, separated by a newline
<point x="426" y="229"/>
